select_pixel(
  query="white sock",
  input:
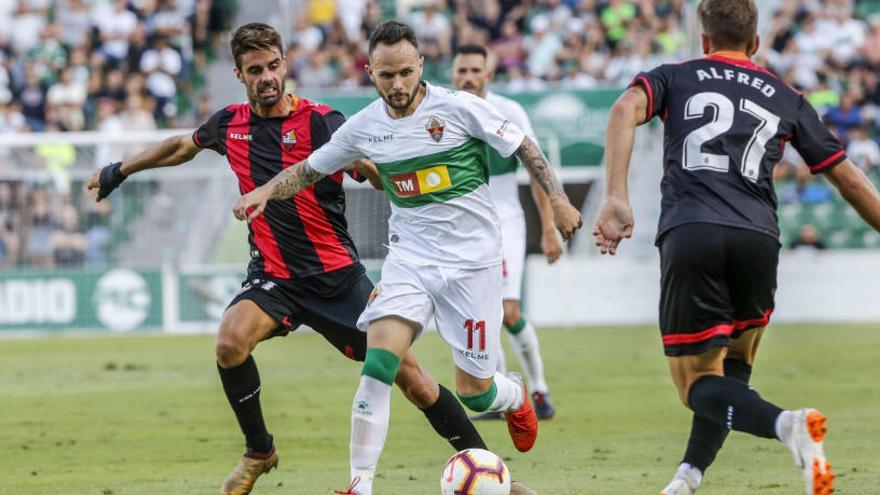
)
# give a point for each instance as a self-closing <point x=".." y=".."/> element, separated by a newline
<point x="370" y="414"/>
<point x="510" y="394"/>
<point x="691" y="475"/>
<point x="783" y="426"/>
<point x="502" y="361"/>
<point x="525" y="345"/>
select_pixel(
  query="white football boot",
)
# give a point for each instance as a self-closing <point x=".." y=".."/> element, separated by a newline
<point x="803" y="432"/>
<point x="685" y="482"/>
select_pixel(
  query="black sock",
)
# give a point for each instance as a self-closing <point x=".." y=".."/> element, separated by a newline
<point x="451" y="422"/>
<point x="731" y="403"/>
<point x="242" y="386"/>
<point x="707" y="436"/>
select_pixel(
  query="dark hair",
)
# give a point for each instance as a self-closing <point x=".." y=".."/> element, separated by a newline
<point x="253" y="37"/>
<point x="472" y="50"/>
<point x="729" y="23"/>
<point x="390" y="32"/>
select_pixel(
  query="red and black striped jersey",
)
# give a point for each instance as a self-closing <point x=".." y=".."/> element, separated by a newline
<point x="726" y="124"/>
<point x="294" y="238"/>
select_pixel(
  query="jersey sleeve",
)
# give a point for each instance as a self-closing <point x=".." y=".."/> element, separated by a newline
<point x="323" y="127"/>
<point x="207" y="135"/>
<point x="521" y="118"/>
<point x="654" y="84"/>
<point x="485" y="123"/>
<point x="814" y="142"/>
<point x="337" y="152"/>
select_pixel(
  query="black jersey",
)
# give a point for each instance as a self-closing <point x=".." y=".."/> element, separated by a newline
<point x="727" y="121"/>
<point x="302" y="236"/>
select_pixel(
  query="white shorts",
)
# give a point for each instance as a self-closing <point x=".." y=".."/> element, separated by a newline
<point x="465" y="304"/>
<point x="513" y="241"/>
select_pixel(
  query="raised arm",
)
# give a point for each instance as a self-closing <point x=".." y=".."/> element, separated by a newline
<point x="857" y="190"/>
<point x="284" y="185"/>
<point x="565" y="216"/>
<point x="172" y="151"/>
<point x="615" y="221"/>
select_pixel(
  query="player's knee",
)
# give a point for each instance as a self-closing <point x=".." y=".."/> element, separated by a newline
<point x="512" y="313"/>
<point x="230" y="350"/>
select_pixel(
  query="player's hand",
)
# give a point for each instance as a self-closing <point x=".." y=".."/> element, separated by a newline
<point x="374" y="293"/>
<point x="615" y="222"/>
<point x="106" y="180"/>
<point x="369" y="170"/>
<point x="566" y="217"/>
<point x="550" y="245"/>
<point x="252" y="204"/>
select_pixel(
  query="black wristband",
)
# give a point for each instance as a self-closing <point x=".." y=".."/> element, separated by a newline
<point x="110" y="178"/>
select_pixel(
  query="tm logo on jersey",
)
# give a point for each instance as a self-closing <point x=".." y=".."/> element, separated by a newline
<point x="425" y="181"/>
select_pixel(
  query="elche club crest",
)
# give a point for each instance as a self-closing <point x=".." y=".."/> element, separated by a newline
<point x="289" y="139"/>
<point x="435" y="127"/>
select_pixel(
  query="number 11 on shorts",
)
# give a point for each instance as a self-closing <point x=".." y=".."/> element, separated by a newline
<point x="476" y="327"/>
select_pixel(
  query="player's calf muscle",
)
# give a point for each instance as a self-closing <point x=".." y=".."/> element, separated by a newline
<point x="416" y="384"/>
<point x="686" y="370"/>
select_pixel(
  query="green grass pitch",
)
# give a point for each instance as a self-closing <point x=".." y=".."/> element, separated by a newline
<point x="146" y="415"/>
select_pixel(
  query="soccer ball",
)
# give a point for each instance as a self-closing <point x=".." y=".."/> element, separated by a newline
<point x="475" y="472"/>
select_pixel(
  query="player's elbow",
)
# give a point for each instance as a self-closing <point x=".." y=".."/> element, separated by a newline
<point x="184" y="149"/>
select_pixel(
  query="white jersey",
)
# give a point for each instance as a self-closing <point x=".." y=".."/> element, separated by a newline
<point x="434" y="166"/>
<point x="503" y="184"/>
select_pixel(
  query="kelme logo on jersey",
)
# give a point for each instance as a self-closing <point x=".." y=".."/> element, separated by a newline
<point x="425" y="181"/>
<point x="435" y="127"/>
<point x="289" y="140"/>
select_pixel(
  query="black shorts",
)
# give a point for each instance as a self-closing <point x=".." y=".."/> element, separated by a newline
<point x="329" y="303"/>
<point x="716" y="283"/>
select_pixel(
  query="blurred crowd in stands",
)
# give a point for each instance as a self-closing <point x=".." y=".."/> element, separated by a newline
<point x="68" y="65"/>
<point x="830" y="51"/>
<point x="136" y="65"/>
<point x="72" y="65"/>
<point x="574" y="43"/>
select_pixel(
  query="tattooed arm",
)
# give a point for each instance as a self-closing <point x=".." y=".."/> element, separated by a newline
<point x="565" y="216"/>
<point x="286" y="184"/>
<point x="533" y="158"/>
<point x="292" y="180"/>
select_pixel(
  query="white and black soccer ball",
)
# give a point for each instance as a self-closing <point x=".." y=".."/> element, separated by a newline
<point x="475" y="472"/>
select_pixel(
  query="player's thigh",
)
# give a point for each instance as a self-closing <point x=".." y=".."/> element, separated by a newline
<point x="745" y="347"/>
<point x="392" y="333"/>
<point x="696" y="311"/>
<point x="513" y="240"/>
<point x="335" y="318"/>
<point x="753" y="258"/>
<point x="273" y="299"/>
<point x="469" y="313"/>
<point x="402" y="295"/>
